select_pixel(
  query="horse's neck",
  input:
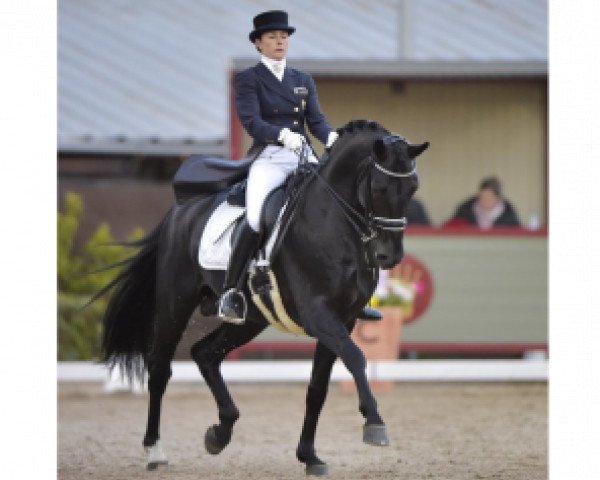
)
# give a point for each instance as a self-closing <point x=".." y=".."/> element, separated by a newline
<point x="344" y="165"/>
<point x="324" y="206"/>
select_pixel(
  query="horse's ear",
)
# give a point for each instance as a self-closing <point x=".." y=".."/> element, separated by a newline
<point x="379" y="147"/>
<point x="416" y="150"/>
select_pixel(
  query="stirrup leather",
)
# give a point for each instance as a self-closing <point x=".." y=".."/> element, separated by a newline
<point x="230" y="304"/>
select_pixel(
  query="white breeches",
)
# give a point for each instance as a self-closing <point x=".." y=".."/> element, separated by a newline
<point x="268" y="172"/>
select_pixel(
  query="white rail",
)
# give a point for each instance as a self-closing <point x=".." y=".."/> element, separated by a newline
<point x="299" y="371"/>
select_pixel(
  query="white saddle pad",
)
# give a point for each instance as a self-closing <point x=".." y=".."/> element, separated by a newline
<point x="215" y="244"/>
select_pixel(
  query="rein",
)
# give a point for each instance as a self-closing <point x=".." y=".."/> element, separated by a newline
<point x="366" y="225"/>
<point x="360" y="224"/>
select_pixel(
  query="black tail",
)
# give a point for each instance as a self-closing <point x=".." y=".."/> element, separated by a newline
<point x="128" y="320"/>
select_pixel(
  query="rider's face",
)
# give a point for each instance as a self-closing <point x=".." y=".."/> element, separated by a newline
<point x="273" y="44"/>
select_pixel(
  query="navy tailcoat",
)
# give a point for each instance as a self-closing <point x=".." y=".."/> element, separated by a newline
<point x="265" y="105"/>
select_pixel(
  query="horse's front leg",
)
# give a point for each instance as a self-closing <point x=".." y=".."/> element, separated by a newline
<point x="325" y="325"/>
<point x="208" y="353"/>
<point x="315" y="398"/>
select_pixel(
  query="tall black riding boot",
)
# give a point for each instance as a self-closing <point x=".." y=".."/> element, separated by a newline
<point x="232" y="305"/>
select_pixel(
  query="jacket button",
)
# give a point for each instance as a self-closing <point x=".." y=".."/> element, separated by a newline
<point x="295" y="109"/>
<point x="295" y="122"/>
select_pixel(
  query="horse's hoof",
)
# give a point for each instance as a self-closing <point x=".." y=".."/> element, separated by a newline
<point x="375" y="435"/>
<point x="156" y="456"/>
<point x="318" y="469"/>
<point x="211" y="442"/>
<point x="157" y="465"/>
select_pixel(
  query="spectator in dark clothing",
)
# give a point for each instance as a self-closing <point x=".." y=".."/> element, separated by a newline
<point x="416" y="213"/>
<point x="487" y="209"/>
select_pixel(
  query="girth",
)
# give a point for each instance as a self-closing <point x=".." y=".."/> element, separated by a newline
<point x="267" y="297"/>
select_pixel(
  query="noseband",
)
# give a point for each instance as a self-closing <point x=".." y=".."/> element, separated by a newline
<point x="376" y="223"/>
<point x="383" y="223"/>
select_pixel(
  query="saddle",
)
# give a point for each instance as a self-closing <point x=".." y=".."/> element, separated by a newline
<point x="236" y="197"/>
<point x="224" y="222"/>
<point x="205" y="175"/>
<point x="201" y="174"/>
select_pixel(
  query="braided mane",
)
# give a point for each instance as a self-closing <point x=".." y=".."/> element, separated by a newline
<point x="356" y="126"/>
<point x="348" y="133"/>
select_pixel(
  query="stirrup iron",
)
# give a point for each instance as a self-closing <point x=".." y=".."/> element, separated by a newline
<point x="230" y="312"/>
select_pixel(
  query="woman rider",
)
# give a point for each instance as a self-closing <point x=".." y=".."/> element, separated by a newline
<point x="273" y="102"/>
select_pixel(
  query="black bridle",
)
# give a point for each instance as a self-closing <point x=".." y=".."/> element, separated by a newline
<point x="367" y="225"/>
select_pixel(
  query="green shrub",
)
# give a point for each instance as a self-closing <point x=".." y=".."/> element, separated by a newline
<point x="79" y="326"/>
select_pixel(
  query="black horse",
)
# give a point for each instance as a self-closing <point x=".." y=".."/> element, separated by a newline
<point x="349" y="218"/>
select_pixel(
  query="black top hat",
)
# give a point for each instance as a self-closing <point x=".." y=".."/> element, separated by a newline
<point x="271" y="20"/>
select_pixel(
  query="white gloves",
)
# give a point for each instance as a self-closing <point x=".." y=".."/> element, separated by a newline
<point x="332" y="137"/>
<point x="291" y="140"/>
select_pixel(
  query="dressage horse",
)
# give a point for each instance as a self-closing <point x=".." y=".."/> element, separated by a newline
<point x="349" y="218"/>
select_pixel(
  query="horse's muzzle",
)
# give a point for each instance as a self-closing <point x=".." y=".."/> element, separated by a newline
<point x="384" y="253"/>
<point x="386" y="262"/>
<point x="388" y="254"/>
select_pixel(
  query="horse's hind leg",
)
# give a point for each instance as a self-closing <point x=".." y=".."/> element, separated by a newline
<point x="171" y="319"/>
<point x="208" y="353"/>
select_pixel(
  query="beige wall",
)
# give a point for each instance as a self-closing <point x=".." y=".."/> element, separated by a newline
<point x="476" y="129"/>
<point x="469" y="303"/>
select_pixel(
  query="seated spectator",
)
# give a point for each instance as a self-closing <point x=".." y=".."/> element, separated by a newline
<point x="416" y="213"/>
<point x="487" y="209"/>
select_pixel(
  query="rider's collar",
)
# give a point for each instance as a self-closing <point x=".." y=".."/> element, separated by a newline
<point x="276" y="67"/>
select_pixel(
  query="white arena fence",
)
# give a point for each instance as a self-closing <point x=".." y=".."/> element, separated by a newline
<point x="526" y="370"/>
